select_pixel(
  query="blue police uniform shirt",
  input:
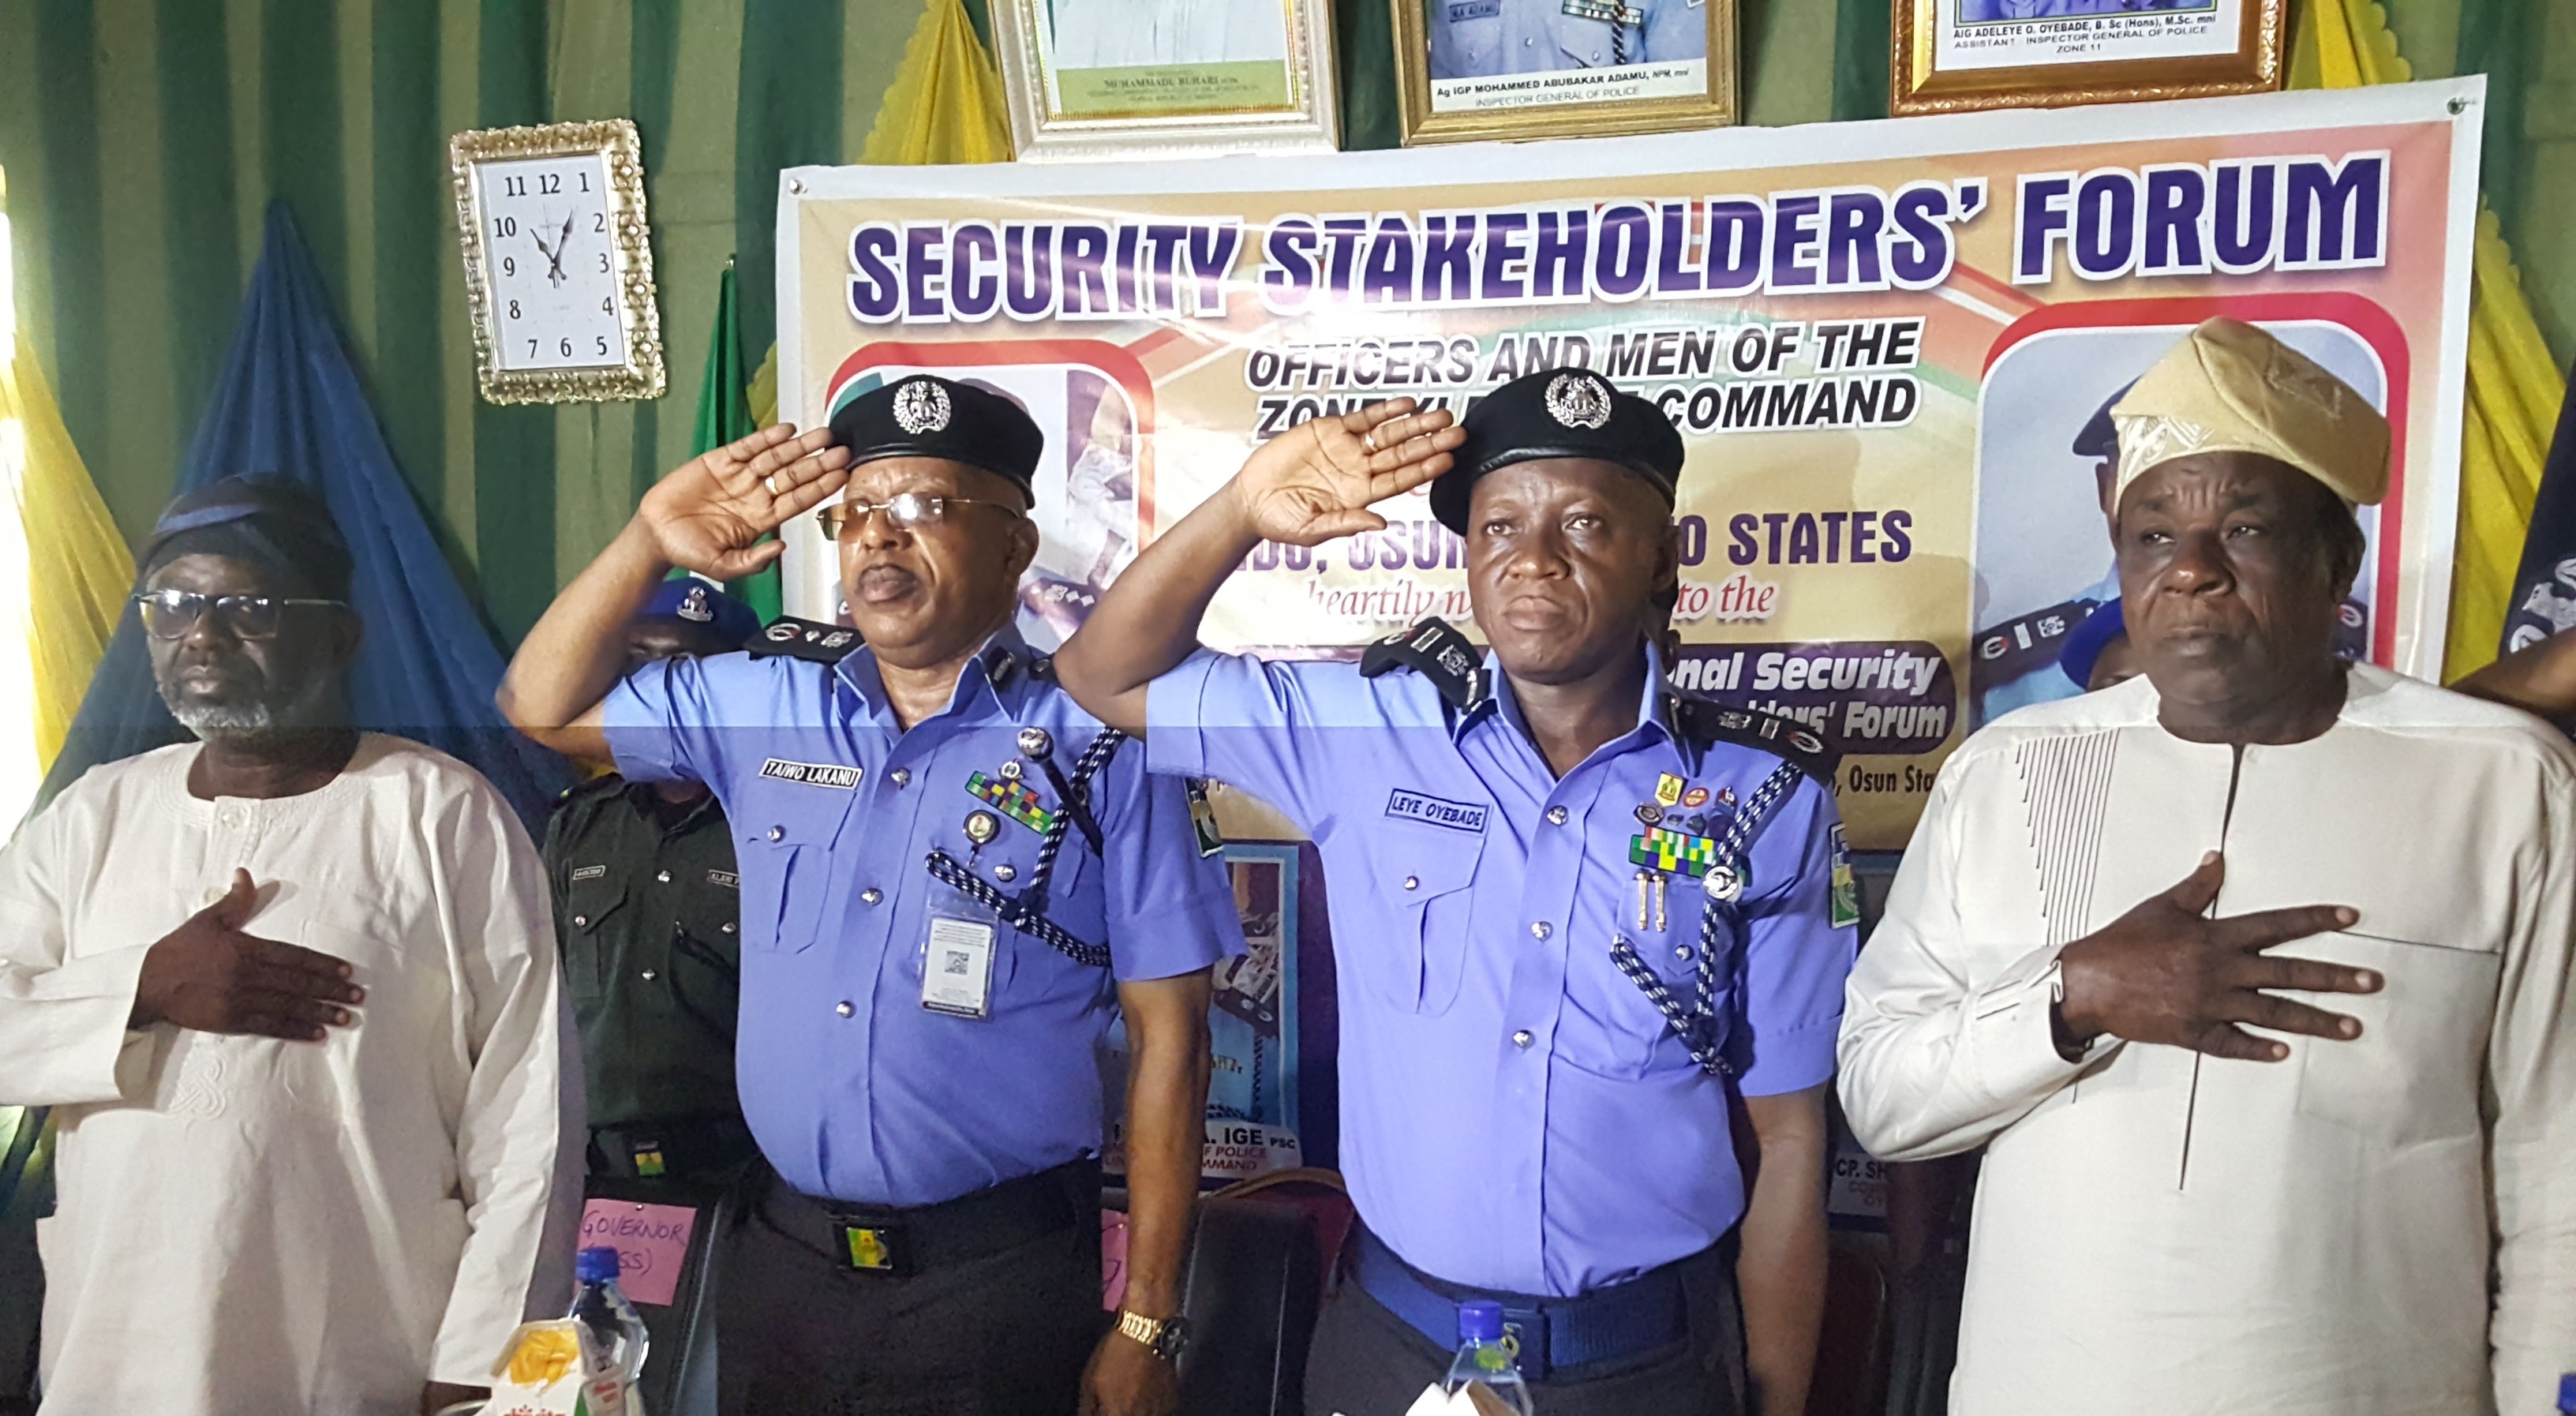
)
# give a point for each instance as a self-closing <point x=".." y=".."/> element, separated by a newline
<point x="1515" y="1114"/>
<point x="2047" y="683"/>
<point x="854" y="1090"/>
<point x="1477" y="39"/>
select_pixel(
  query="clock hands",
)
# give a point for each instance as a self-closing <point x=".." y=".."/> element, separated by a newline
<point x="563" y="243"/>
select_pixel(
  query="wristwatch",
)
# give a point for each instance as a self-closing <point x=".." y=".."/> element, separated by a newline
<point x="1164" y="1337"/>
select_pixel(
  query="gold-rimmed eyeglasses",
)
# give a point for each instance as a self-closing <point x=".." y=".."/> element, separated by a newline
<point x="909" y="510"/>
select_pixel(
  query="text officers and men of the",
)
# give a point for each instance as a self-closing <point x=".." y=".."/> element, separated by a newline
<point x="291" y="994"/>
<point x="951" y="876"/>
<point x="2248" y="973"/>
<point x="1575" y="914"/>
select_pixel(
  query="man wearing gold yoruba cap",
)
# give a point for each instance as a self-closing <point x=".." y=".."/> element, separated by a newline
<point x="2221" y="1179"/>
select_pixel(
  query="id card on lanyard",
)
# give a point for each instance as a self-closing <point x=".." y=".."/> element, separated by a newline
<point x="957" y="967"/>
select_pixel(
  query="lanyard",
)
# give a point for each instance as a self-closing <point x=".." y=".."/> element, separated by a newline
<point x="1703" y="1026"/>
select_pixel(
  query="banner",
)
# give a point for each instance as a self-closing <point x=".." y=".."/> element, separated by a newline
<point x="1885" y="345"/>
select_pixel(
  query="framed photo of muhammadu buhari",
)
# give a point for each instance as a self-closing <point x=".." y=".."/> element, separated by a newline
<point x="1468" y="69"/>
<point x="558" y="262"/>
<point x="1166" y="78"/>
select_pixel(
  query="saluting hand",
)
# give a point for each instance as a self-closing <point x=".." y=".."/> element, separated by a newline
<point x="208" y="975"/>
<point x="1317" y="480"/>
<point x="2166" y="972"/>
<point x="709" y="515"/>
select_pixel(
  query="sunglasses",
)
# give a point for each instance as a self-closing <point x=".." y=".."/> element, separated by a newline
<point x="908" y="510"/>
<point x="171" y="614"/>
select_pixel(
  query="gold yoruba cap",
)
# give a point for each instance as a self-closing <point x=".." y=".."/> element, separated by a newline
<point x="2229" y="387"/>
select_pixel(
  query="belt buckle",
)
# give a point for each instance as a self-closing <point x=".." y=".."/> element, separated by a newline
<point x="873" y="1246"/>
<point x="1527" y="1330"/>
<point x="647" y="1158"/>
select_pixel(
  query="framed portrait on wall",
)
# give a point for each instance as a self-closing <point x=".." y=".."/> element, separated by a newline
<point x="1115" y="79"/>
<point x="1953" y="55"/>
<point x="1470" y="69"/>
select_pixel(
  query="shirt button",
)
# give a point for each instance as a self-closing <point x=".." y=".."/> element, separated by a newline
<point x="872" y="894"/>
<point x="1412" y="882"/>
<point x="1005" y="872"/>
<point x="1523" y="1038"/>
<point x="1682" y="952"/>
<point x="1556" y="816"/>
<point x="663" y="878"/>
<point x="648" y="975"/>
<point x="728" y="926"/>
<point x="581" y="921"/>
<point x="1541" y="930"/>
<point x="899" y="776"/>
<point x="778" y="833"/>
<point x="844" y="1009"/>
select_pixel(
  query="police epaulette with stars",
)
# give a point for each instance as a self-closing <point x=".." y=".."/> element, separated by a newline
<point x="1437" y="652"/>
<point x="1788" y="739"/>
<point x="793" y="638"/>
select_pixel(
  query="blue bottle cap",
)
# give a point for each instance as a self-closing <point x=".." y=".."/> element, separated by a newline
<point x="597" y="1265"/>
<point x="2567" y="1392"/>
<point x="1480" y="1320"/>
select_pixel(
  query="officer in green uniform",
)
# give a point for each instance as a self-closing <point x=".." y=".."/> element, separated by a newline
<point x="647" y="910"/>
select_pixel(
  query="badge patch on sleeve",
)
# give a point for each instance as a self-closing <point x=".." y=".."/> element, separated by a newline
<point x="1846" y="891"/>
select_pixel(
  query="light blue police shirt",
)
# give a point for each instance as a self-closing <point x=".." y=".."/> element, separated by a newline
<point x="1478" y="39"/>
<point x="1515" y="1114"/>
<point x="854" y="1090"/>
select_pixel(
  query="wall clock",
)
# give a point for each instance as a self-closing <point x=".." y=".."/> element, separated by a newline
<point x="558" y="262"/>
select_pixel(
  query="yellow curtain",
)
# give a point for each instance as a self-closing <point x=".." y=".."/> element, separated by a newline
<point x="78" y="568"/>
<point x="945" y="104"/>
<point x="2514" y="386"/>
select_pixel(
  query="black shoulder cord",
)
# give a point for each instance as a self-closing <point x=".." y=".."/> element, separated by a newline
<point x="1026" y="911"/>
<point x="1703" y="1027"/>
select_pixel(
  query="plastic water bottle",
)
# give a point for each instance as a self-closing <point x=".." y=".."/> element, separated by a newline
<point x="1484" y="1356"/>
<point x="600" y="1306"/>
<point x="2567" y="1392"/>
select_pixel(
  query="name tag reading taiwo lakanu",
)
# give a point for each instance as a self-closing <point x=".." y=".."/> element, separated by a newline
<point x="812" y="774"/>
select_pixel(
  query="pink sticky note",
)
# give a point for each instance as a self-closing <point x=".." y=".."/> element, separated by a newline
<point x="652" y="1242"/>
<point x="1113" y="1260"/>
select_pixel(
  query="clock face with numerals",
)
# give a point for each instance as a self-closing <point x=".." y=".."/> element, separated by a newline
<point x="556" y="300"/>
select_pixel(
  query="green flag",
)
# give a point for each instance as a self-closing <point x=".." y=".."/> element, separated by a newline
<point x="724" y="416"/>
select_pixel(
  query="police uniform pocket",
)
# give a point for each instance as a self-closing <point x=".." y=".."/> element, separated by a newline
<point x="2413" y="1074"/>
<point x="1424" y="882"/>
<point x="588" y="907"/>
<point x="786" y="870"/>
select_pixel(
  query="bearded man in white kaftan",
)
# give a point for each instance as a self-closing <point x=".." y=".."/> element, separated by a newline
<point x="292" y="992"/>
<point x="2297" y="1135"/>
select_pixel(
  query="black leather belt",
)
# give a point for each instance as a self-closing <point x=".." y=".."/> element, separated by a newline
<point x="697" y="1148"/>
<point x="1645" y="1313"/>
<point x="888" y="1240"/>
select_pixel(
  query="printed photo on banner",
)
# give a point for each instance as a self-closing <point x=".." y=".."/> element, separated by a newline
<point x="2046" y="458"/>
<point x="1885" y="351"/>
<point x="1530" y="68"/>
<point x="1966" y="54"/>
<point x="1107" y="78"/>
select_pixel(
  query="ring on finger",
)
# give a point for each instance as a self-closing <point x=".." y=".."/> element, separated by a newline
<point x="1369" y="440"/>
<point x="772" y="482"/>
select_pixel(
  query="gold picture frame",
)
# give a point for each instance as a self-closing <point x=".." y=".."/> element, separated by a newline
<point x="558" y="262"/>
<point x="1187" y="90"/>
<point x="2196" y="65"/>
<point x="1430" y="116"/>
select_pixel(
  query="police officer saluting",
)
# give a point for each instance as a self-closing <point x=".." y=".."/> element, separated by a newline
<point x="1575" y="913"/>
<point x="951" y="875"/>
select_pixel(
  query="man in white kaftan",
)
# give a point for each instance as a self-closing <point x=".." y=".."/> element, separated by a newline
<point x="344" y="1216"/>
<point x="2176" y="1215"/>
